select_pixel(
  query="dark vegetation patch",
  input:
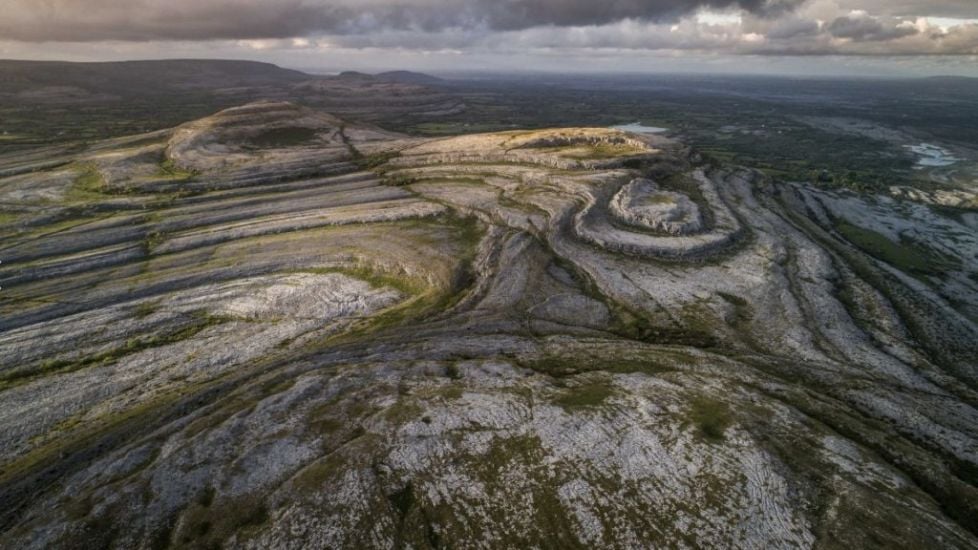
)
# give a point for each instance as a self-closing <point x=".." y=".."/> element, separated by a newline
<point x="152" y="240"/>
<point x="209" y="521"/>
<point x="733" y="299"/>
<point x="403" y="411"/>
<point x="907" y="255"/>
<point x="453" y="372"/>
<point x="345" y="450"/>
<point x="146" y="309"/>
<point x="170" y="169"/>
<point x="374" y="161"/>
<point x="566" y="366"/>
<point x="419" y="523"/>
<point x="88" y="185"/>
<point x="289" y="136"/>
<point x="585" y="396"/>
<point x="523" y="449"/>
<point x="550" y="520"/>
<point x="400" y="180"/>
<point x="8" y="218"/>
<point x="743" y="312"/>
<point x="711" y="417"/>
<point x="638" y="327"/>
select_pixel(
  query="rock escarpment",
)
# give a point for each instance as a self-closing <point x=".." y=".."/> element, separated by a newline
<point x="571" y="338"/>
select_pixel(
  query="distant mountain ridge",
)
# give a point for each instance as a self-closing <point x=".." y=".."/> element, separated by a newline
<point x="44" y="102"/>
<point x="411" y="77"/>
<point x="142" y="77"/>
<point x="164" y="75"/>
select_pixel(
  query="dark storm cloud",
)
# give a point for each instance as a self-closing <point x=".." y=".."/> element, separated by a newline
<point x="770" y="27"/>
<point x="518" y="14"/>
<point x="793" y="28"/>
<point x="138" y="20"/>
<point x="869" y="29"/>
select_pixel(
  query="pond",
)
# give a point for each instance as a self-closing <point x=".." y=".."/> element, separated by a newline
<point x="932" y="156"/>
<point x="639" y="128"/>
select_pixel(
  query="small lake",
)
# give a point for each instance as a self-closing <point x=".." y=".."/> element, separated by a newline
<point x="932" y="156"/>
<point x="639" y="128"/>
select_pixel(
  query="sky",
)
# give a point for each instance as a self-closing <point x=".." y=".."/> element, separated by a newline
<point x="792" y="37"/>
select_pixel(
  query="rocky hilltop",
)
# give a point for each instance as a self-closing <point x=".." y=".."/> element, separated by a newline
<point x="275" y="328"/>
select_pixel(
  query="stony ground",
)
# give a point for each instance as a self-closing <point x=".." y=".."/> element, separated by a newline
<point x="273" y="328"/>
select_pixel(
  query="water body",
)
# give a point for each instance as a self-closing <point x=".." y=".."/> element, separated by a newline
<point x="639" y="128"/>
<point x="932" y="156"/>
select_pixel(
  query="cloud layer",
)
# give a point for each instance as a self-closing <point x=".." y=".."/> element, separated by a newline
<point x="92" y="20"/>
<point x="769" y="27"/>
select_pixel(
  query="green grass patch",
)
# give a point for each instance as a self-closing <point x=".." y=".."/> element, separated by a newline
<point x="609" y="150"/>
<point x="88" y="185"/>
<point x="585" y="396"/>
<point x="402" y="412"/>
<point x="657" y="199"/>
<point x="400" y="180"/>
<point x="711" y="417"/>
<point x="8" y="218"/>
<point x="348" y="452"/>
<point x="906" y="255"/>
<point x="146" y="309"/>
<point x="504" y="450"/>
<point x="314" y="476"/>
<point x="170" y="169"/>
<point x="560" y="367"/>
<point x="207" y="524"/>
<point x="695" y="332"/>
<point x="454" y="181"/>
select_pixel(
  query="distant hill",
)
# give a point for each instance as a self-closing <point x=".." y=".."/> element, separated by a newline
<point x="400" y="77"/>
<point x="970" y="79"/>
<point x="408" y="77"/>
<point x="62" y="80"/>
<point x="45" y="102"/>
<point x="140" y="77"/>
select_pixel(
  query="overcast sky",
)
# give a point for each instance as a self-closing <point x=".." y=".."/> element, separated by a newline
<point x="863" y="37"/>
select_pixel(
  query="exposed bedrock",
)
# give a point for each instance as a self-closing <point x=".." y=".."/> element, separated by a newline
<point x="638" y="235"/>
<point x="643" y="204"/>
<point x="273" y="328"/>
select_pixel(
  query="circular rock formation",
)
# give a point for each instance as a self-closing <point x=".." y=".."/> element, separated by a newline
<point x="642" y="209"/>
<point x="641" y="203"/>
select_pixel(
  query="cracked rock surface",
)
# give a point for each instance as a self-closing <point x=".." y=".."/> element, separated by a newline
<point x="275" y="328"/>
